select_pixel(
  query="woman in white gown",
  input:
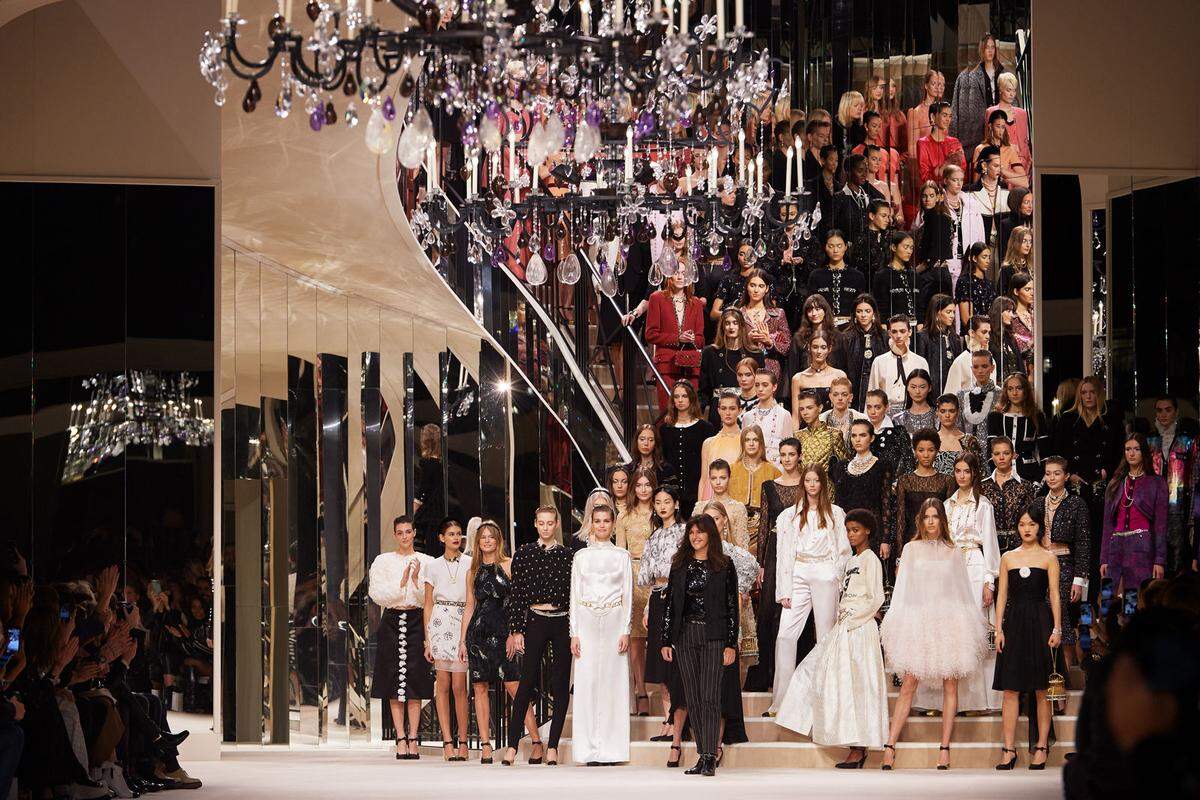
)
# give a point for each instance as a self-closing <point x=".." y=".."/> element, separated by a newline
<point x="838" y="694"/>
<point x="601" y="604"/>
<point x="972" y="521"/>
<point x="934" y="630"/>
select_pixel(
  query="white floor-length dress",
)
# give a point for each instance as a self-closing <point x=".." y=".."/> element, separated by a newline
<point x="973" y="529"/>
<point x="601" y="604"/>
<point x="838" y="694"/>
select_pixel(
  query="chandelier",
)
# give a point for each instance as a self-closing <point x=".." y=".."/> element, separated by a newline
<point x="635" y="110"/>
<point x="138" y="408"/>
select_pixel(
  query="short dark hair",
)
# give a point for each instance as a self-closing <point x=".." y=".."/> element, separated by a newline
<point x="403" y="519"/>
<point x="866" y="422"/>
<point x="867" y="117"/>
<point x="719" y="464"/>
<point x="798" y="128"/>
<point x="937" y="108"/>
<point x="876" y="204"/>
<point x="987" y="152"/>
<point x="1057" y="461"/>
<point x="979" y="320"/>
<point x="864" y="517"/>
<point x="927" y="435"/>
<point x="894" y="318"/>
<point x="995" y="115"/>
<point x="808" y="394"/>
<point x="790" y="441"/>
<point x="952" y="399"/>
<point x="827" y="149"/>
<point x="878" y="394"/>
<point x="984" y="354"/>
<point x="1168" y="399"/>
<point x="854" y="160"/>
<point x="782" y="127"/>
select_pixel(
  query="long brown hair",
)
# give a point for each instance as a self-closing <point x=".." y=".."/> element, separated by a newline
<point x="1119" y="476"/>
<point x="693" y="402"/>
<point x="716" y="558"/>
<point x="1012" y="253"/>
<point x="972" y="461"/>
<point x="768" y="300"/>
<point x="824" y="497"/>
<point x="477" y="560"/>
<point x="943" y="523"/>
<point x="656" y="455"/>
<point x="719" y="339"/>
<point x="807" y="330"/>
<point x="1028" y="407"/>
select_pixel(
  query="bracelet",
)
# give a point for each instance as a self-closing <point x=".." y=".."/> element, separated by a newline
<point x="1054" y="631"/>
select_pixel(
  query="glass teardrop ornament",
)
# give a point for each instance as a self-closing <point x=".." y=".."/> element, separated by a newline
<point x="380" y="133"/>
<point x="608" y="282"/>
<point x="570" y="270"/>
<point x="535" y="270"/>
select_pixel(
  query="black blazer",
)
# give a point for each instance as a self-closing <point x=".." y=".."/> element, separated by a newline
<point x="720" y="604"/>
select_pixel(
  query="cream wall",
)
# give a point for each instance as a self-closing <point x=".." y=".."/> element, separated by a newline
<point x="1116" y="87"/>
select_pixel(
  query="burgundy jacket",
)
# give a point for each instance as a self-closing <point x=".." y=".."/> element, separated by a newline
<point x="662" y="328"/>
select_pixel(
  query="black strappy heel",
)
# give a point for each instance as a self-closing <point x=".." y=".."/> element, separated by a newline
<point x="888" y="767"/>
<point x="504" y="762"/>
<point x="638" y="701"/>
<point x="675" y="763"/>
<point x="945" y="766"/>
<point x="533" y="744"/>
<point x="1041" y="765"/>
<point x="1010" y="763"/>
<point x="453" y="747"/>
<point x="488" y="758"/>
<point x="402" y="756"/>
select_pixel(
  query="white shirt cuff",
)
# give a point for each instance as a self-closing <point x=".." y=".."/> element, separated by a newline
<point x="1081" y="582"/>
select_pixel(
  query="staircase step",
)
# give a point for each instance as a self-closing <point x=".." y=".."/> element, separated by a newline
<point x="801" y="755"/>
<point x="755" y="703"/>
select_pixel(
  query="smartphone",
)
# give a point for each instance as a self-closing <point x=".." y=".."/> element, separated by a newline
<point x="14" y="644"/>
<point x="1085" y="615"/>
<point x="1106" y="593"/>
<point x="64" y="613"/>
<point x="155" y="586"/>
<point x="1131" y="601"/>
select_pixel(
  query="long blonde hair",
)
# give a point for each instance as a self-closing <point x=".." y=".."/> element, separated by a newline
<point x="846" y="104"/>
<point x="762" y="443"/>
<point x="598" y="497"/>
<point x="1089" y="417"/>
<point x="477" y="555"/>
<point x="824" y="497"/>
<point x="719" y="507"/>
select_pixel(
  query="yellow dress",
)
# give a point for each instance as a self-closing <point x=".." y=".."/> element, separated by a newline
<point x="633" y="530"/>
<point x="746" y="487"/>
<point x="724" y="446"/>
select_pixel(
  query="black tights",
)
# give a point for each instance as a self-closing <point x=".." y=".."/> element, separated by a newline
<point x="543" y="631"/>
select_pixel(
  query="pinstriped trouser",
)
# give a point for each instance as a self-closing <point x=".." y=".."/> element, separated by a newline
<point x="699" y="661"/>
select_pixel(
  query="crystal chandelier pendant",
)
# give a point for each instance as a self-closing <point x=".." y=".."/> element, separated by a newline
<point x="351" y="116"/>
<point x="535" y="270"/>
<point x="415" y="140"/>
<point x="570" y="271"/>
<point x="489" y="134"/>
<point x="667" y="262"/>
<point x="380" y="133"/>
<point x="655" y="278"/>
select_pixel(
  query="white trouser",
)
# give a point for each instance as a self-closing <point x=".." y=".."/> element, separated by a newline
<point x="815" y="590"/>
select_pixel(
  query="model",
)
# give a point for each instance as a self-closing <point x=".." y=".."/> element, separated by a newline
<point x="811" y="549"/>
<point x="402" y="676"/>
<point x="836" y="281"/>
<point x="718" y="363"/>
<point x="718" y="479"/>
<point x="700" y="630"/>
<point x="939" y="342"/>
<point x="746" y="477"/>
<point x="725" y="444"/>
<point x="892" y="443"/>
<point x="484" y="638"/>
<point x="917" y="412"/>
<point x="633" y="530"/>
<point x="773" y="420"/>
<point x="445" y="600"/>
<point x="841" y="414"/>
<point x="648" y="455"/>
<point x="860" y="343"/>
<point x="1008" y="493"/>
<point x="865" y="482"/>
<point x="601" y="602"/>
<point x="973" y="531"/>
<point x="890" y="370"/>
<point x="960" y="378"/>
<point x="537" y="617"/>
<point x="976" y="403"/>
<point x="819" y="444"/>
<point x="746" y="567"/>
<point x="914" y="488"/>
<point x="767" y="332"/>
<point x="817" y="378"/>
<point x="1134" y="543"/>
<point x="838" y="694"/>
<point x="652" y="576"/>
<point x="895" y="288"/>
<point x="934" y="631"/>
<point x="1028" y="628"/>
<point x="953" y="440"/>
<point x="777" y="495"/>
<point x="683" y="434"/>
<point x="675" y="326"/>
<point x="1175" y="451"/>
<point x="1018" y="418"/>
<point x="1065" y="518"/>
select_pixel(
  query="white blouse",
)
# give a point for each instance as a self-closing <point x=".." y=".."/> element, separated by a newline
<point x="973" y="525"/>
<point x="384" y="580"/>
<point x="656" y="558"/>
<point x="448" y="578"/>
<point x="805" y="538"/>
<point x="862" y="590"/>
<point x="601" y="584"/>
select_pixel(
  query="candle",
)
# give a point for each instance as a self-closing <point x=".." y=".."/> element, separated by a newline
<point x="230" y="8"/>
<point x="799" y="169"/>
<point x="618" y="17"/>
<point x="533" y="185"/>
<point x="629" y="154"/>
<point x="739" y="14"/>
<point x="683" y="16"/>
<point x="787" y="172"/>
<point x="750" y="180"/>
<point x="688" y="190"/>
<point x="712" y="171"/>
<point x="742" y="156"/>
<point x="585" y="17"/>
<point x="369" y="11"/>
<point x="430" y="166"/>
<point x="473" y="186"/>
<point x="720" y="21"/>
<point x="287" y="10"/>
<point x="759" y="171"/>
<point x="512" y="155"/>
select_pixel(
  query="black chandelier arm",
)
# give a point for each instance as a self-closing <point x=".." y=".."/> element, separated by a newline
<point x="310" y="76"/>
<point x="248" y="69"/>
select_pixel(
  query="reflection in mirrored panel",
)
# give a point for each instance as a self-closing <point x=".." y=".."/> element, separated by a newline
<point x="460" y="421"/>
<point x="425" y="442"/>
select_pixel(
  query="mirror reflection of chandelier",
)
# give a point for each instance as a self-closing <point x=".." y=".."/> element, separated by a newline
<point x="140" y="407"/>
<point x="640" y="112"/>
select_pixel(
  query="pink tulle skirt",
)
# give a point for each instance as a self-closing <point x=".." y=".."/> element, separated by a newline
<point x="950" y="644"/>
